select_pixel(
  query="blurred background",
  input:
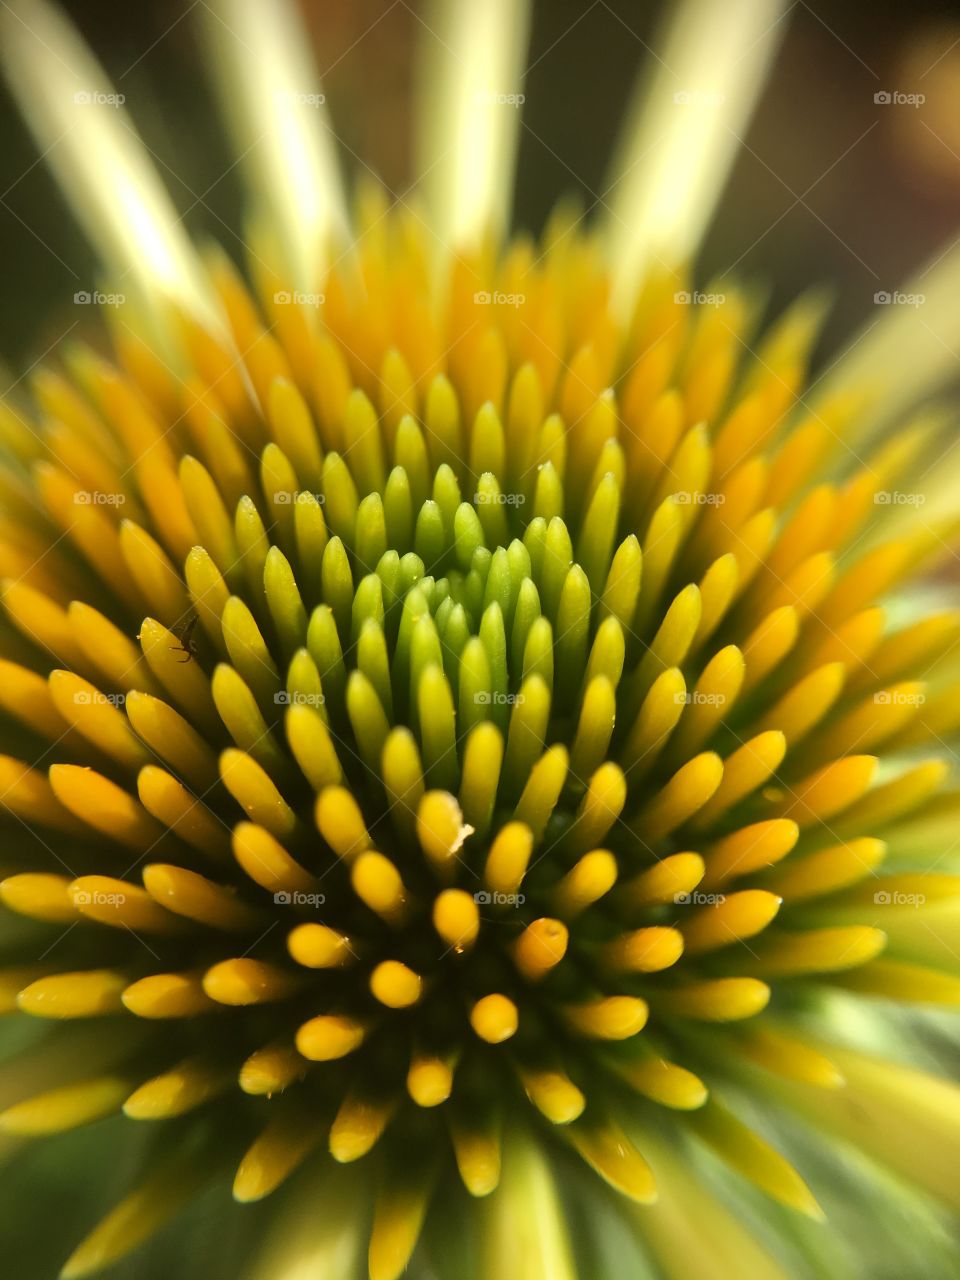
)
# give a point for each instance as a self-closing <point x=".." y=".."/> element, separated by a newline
<point x="829" y="187"/>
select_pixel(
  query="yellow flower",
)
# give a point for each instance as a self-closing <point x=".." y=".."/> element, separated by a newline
<point x="468" y="713"/>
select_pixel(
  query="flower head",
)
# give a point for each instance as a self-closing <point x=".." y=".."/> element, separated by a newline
<point x="457" y="726"/>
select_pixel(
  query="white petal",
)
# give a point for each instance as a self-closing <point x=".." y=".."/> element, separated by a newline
<point x="905" y="1118"/>
<point x="79" y="122"/>
<point x="319" y="1231"/>
<point x="717" y="1247"/>
<point x="524" y="1233"/>
<point x="273" y="98"/>
<point x="683" y="130"/>
<point x="907" y="350"/>
<point x="469" y="113"/>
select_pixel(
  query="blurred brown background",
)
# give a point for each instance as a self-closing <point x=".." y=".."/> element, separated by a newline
<point x="830" y="187"/>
